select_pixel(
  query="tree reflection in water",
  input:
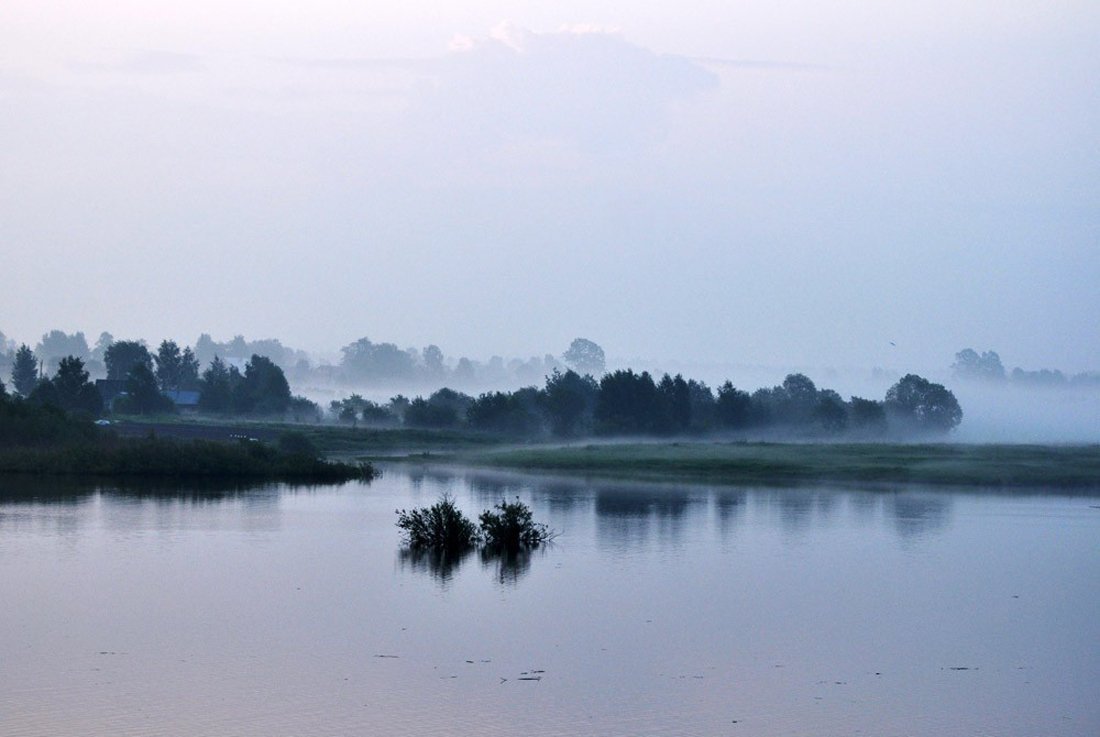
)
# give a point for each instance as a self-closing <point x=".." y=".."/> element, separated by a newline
<point x="508" y="566"/>
<point x="440" y="564"/>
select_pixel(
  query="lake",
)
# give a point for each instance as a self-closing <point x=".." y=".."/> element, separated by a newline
<point x="659" y="610"/>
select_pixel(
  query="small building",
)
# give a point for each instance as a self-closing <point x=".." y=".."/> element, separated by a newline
<point x="110" y="390"/>
<point x="185" y="401"/>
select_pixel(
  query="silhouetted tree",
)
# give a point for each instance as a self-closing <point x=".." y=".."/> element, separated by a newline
<point x="866" y="416"/>
<point x="169" y="362"/>
<point x="704" y="414"/>
<point x="830" y="411"/>
<point x="101" y="345"/>
<point x="630" y="403"/>
<point x="377" y="361"/>
<point x="733" y="407"/>
<point x="433" y="362"/>
<point x="24" y="372"/>
<point x="123" y="355"/>
<point x="969" y="365"/>
<point x="56" y="345"/>
<point x="264" y="391"/>
<point x="189" y="370"/>
<point x="585" y="356"/>
<point x="570" y="400"/>
<point x="918" y="404"/>
<point x="677" y="399"/>
<point x="801" y="400"/>
<point x="444" y="408"/>
<point x="217" y="387"/>
<point x="515" y="413"/>
<point x="348" y="409"/>
<point x="143" y="394"/>
<point x="74" y="392"/>
<point x="304" y="410"/>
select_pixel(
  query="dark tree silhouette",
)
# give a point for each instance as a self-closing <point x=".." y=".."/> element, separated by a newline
<point x="866" y="416"/>
<point x="74" y="392"/>
<point x="733" y="407"/>
<point x="264" y="390"/>
<point x="217" y="386"/>
<point x="169" y="363"/>
<point x="629" y="403"/>
<point x="570" y="400"/>
<point x="923" y="406"/>
<point x="24" y="372"/>
<point x="123" y="355"/>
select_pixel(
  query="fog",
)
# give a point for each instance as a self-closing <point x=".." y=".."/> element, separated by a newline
<point x="727" y="191"/>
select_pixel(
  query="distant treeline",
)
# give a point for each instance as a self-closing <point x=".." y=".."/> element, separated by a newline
<point x="569" y="404"/>
<point x="987" y="366"/>
<point x="42" y="438"/>
<point x="139" y="382"/>
<point x="362" y="362"/>
<point x="623" y="402"/>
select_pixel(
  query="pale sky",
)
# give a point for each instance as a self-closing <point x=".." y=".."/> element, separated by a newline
<point x="781" y="183"/>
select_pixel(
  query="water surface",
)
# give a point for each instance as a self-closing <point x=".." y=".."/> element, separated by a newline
<point x="660" y="610"/>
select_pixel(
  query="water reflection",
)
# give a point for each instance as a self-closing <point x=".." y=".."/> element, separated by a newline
<point x="633" y="514"/>
<point x="629" y="514"/>
<point x="440" y="564"/>
<point x="508" y="566"/>
<point x="917" y="516"/>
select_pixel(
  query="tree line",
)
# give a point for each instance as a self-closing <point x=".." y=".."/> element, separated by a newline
<point x="623" y="402"/>
<point x="987" y="366"/>
<point x="139" y="381"/>
<point x="362" y="362"/>
<point x="570" y="403"/>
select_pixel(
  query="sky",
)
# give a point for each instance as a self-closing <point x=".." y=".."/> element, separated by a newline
<point x="789" y="183"/>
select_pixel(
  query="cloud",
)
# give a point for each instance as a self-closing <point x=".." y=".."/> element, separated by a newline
<point x="583" y="86"/>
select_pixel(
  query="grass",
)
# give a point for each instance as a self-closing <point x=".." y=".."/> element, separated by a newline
<point x="794" y="463"/>
<point x="332" y="439"/>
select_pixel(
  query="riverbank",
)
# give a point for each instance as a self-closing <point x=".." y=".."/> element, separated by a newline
<point x="161" y="458"/>
<point x="726" y="462"/>
<point x="799" y="463"/>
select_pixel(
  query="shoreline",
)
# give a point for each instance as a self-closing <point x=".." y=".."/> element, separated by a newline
<point x="788" y="464"/>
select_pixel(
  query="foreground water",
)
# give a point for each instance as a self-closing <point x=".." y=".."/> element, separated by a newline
<point x="660" y="610"/>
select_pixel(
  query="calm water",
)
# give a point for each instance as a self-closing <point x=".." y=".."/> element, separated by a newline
<point x="660" y="610"/>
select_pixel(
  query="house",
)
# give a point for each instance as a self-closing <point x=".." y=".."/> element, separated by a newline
<point x="185" y="401"/>
<point x="110" y="390"/>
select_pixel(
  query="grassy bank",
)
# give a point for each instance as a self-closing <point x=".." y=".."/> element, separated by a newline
<point x="159" y="458"/>
<point x="337" y="440"/>
<point x="787" y="463"/>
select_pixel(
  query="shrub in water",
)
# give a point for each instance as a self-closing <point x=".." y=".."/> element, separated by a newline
<point x="442" y="526"/>
<point x="509" y="526"/>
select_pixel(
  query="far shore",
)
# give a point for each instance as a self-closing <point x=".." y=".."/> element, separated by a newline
<point x="940" y="464"/>
<point x="704" y="460"/>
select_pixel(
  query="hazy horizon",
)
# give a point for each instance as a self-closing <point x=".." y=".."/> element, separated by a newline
<point x="767" y="185"/>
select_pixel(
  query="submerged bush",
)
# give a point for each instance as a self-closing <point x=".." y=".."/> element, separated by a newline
<point x="441" y="526"/>
<point x="509" y="526"/>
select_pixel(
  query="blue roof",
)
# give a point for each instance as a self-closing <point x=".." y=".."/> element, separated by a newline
<point x="183" y="398"/>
